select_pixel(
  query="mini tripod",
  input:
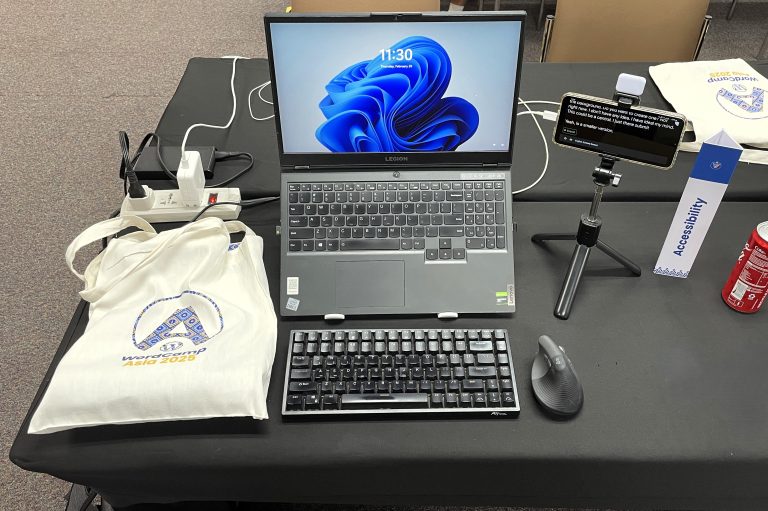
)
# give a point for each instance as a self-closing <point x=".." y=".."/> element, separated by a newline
<point x="586" y="238"/>
<point x="628" y="91"/>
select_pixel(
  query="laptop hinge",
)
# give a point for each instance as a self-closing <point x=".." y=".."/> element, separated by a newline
<point x="491" y="165"/>
<point x="301" y="167"/>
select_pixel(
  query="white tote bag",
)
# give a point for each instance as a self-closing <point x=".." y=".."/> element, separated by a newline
<point x="716" y="95"/>
<point x="181" y="326"/>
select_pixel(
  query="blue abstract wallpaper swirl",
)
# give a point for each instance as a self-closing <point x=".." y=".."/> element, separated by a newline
<point x="388" y="105"/>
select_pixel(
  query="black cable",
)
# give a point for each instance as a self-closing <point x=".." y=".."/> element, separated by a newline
<point x="124" y="159"/>
<point x="90" y="496"/>
<point x="170" y="175"/>
<point x="243" y="204"/>
<point x="227" y="156"/>
<point x="131" y="182"/>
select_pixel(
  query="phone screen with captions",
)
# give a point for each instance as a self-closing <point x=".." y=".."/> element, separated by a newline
<point x="642" y="135"/>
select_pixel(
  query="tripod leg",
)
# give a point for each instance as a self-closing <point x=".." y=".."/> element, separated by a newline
<point x="538" y="238"/>
<point x="571" y="282"/>
<point x="612" y="252"/>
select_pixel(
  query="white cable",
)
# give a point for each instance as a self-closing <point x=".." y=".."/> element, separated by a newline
<point x="548" y="115"/>
<point x="262" y="97"/>
<point x="260" y="88"/>
<point x="543" y="138"/>
<point x="538" y="102"/>
<point x="234" y="110"/>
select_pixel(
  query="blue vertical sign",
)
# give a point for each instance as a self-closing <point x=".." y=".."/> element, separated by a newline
<point x="709" y="179"/>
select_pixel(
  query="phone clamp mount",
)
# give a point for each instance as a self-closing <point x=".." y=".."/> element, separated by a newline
<point x="588" y="234"/>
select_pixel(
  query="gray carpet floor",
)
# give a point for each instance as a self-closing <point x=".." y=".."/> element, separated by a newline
<point x="73" y="73"/>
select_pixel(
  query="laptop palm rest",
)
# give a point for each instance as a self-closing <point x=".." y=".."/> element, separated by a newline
<point x="370" y="284"/>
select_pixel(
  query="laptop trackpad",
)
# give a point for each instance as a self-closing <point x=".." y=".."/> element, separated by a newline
<point x="370" y="284"/>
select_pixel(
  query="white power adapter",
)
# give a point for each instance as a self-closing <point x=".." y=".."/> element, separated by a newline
<point x="191" y="179"/>
<point x="187" y="201"/>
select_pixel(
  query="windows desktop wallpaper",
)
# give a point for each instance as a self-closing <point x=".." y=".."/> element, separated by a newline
<point x="395" y="87"/>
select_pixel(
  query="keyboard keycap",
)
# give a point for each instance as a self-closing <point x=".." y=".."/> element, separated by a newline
<point x="369" y="244"/>
<point x="302" y="386"/>
<point x="383" y="401"/>
<point x="472" y="385"/>
<point x="507" y="399"/>
<point x="300" y="374"/>
<point x="475" y="243"/>
<point x="293" y="402"/>
<point x="482" y="372"/>
<point x="311" y="402"/>
<point x="301" y="234"/>
<point x="486" y="359"/>
<point x="477" y="346"/>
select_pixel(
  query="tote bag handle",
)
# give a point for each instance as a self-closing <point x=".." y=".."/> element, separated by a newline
<point x="99" y="231"/>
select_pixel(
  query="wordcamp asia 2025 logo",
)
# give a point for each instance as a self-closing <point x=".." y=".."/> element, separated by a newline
<point x="740" y="96"/>
<point x="184" y="321"/>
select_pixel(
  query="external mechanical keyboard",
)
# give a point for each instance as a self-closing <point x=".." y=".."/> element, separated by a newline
<point x="456" y="372"/>
<point x="442" y="218"/>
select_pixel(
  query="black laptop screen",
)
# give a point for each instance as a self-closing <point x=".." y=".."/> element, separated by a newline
<point x="357" y="86"/>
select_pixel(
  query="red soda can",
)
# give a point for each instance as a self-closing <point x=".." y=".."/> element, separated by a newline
<point x="747" y="286"/>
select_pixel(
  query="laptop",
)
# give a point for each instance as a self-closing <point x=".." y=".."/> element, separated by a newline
<point x="395" y="137"/>
<point x="364" y="5"/>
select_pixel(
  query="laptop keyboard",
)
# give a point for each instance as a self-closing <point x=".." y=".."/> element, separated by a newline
<point x="363" y="371"/>
<point x="443" y="219"/>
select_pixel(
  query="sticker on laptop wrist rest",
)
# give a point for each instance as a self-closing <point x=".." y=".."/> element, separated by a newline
<point x="292" y="304"/>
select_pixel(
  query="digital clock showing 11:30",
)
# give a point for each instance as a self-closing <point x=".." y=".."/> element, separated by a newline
<point x="399" y="54"/>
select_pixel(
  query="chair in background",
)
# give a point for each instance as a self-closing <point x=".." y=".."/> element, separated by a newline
<point x="625" y="31"/>
<point x="497" y="6"/>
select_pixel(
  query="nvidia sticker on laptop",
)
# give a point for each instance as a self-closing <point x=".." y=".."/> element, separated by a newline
<point x="702" y="195"/>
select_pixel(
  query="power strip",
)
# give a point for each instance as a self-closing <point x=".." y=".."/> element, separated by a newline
<point x="166" y="205"/>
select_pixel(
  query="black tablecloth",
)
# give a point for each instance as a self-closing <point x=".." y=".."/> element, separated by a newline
<point x="675" y="412"/>
<point x="204" y="95"/>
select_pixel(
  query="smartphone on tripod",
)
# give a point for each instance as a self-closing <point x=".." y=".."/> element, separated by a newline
<point x="633" y="133"/>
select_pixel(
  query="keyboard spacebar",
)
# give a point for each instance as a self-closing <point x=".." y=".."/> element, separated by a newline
<point x="383" y="401"/>
<point x="370" y="244"/>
